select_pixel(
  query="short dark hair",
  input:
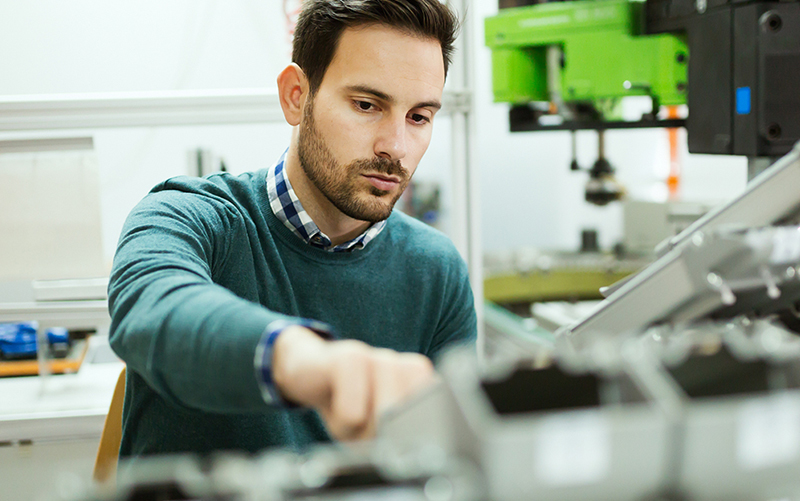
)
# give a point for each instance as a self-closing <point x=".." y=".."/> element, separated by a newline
<point x="321" y="23"/>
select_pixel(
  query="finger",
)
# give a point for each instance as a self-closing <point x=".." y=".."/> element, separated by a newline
<point x="351" y="393"/>
<point x="389" y="372"/>
<point x="418" y="373"/>
<point x="412" y="373"/>
<point x="409" y="373"/>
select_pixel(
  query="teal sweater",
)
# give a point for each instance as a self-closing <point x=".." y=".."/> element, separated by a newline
<point x="203" y="266"/>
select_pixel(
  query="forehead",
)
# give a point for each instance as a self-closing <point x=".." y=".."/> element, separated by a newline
<point x="388" y="59"/>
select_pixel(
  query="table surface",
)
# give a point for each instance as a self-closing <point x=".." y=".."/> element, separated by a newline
<point x="60" y="406"/>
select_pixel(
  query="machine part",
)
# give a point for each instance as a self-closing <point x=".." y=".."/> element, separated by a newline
<point x="591" y="35"/>
<point x="602" y="187"/>
<point x="721" y="275"/>
<point x="589" y="241"/>
<point x="508" y="336"/>
<point x="701" y="6"/>
<point x="674" y="177"/>
<point x="508" y="4"/>
<point x="744" y="57"/>
<point x="705" y="411"/>
<point x="770" y="198"/>
<point x="602" y="47"/>
<point x="573" y="165"/>
<point x="324" y="474"/>
<point x="790" y="319"/>
<point x="740" y="420"/>
<point x="522" y="121"/>
<point x="555" y="63"/>
<point x="645" y="87"/>
<point x="733" y="63"/>
<point x="646" y="224"/>
<point x="551" y="433"/>
<point x="757" y="165"/>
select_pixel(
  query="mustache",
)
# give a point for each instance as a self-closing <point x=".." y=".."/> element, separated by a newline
<point x="381" y="166"/>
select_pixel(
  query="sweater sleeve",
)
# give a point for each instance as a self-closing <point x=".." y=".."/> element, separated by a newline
<point x="193" y="341"/>
<point x="458" y="324"/>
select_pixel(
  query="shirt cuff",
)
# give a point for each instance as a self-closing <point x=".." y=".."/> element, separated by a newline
<point x="263" y="357"/>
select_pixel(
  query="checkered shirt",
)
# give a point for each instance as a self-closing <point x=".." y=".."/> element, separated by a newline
<point x="288" y="209"/>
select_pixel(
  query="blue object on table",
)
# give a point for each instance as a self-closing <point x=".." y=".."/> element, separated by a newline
<point x="19" y="340"/>
<point x="57" y="335"/>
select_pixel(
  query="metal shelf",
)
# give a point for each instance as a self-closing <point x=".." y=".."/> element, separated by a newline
<point x="154" y="109"/>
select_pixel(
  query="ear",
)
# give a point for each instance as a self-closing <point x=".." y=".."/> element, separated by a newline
<point x="292" y="92"/>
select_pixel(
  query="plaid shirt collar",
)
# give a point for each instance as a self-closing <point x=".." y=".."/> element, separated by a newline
<point x="288" y="209"/>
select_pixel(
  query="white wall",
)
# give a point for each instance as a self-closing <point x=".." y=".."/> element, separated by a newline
<point x="529" y="197"/>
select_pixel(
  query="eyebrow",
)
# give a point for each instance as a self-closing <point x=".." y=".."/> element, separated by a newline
<point x="389" y="99"/>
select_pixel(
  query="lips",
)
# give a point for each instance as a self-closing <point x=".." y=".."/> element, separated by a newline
<point x="383" y="182"/>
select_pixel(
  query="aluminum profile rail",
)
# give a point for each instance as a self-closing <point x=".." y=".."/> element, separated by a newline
<point x="153" y="109"/>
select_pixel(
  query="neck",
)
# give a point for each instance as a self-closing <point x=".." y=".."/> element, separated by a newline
<point x="339" y="227"/>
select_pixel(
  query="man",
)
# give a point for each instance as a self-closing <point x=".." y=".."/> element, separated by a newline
<point x="225" y="290"/>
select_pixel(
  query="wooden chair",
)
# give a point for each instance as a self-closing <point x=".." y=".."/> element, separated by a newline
<point x="105" y="465"/>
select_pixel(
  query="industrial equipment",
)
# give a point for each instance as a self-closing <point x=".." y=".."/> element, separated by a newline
<point x="583" y="57"/>
<point x="733" y="63"/>
<point x="730" y="262"/>
<point x="566" y="66"/>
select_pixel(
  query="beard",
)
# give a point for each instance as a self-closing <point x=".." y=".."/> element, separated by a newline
<point x="342" y="184"/>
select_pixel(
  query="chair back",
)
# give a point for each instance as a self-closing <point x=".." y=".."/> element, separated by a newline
<point x="105" y="465"/>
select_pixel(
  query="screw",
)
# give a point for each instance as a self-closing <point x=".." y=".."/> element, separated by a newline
<point x="680" y="57"/>
<point x="681" y="86"/>
<point x="774" y="131"/>
<point x="770" y="21"/>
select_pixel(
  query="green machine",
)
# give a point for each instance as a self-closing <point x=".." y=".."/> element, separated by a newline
<point x="578" y="58"/>
<point x="566" y="65"/>
<point x="573" y="62"/>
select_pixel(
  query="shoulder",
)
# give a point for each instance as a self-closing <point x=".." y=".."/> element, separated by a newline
<point x="209" y="205"/>
<point x="220" y="192"/>
<point x="221" y="185"/>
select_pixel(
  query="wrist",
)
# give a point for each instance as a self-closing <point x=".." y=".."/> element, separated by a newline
<point x="292" y="350"/>
<point x="286" y="336"/>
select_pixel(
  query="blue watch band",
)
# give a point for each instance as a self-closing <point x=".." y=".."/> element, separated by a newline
<point x="263" y="356"/>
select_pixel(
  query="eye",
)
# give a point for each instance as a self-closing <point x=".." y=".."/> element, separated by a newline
<point x="364" y="105"/>
<point x="419" y="119"/>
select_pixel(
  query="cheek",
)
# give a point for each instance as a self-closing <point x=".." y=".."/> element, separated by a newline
<point x="419" y="142"/>
<point x="347" y="139"/>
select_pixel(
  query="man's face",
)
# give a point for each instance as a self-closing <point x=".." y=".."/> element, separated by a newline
<point x="365" y="130"/>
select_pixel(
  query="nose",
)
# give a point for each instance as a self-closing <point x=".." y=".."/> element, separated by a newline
<point x="390" y="142"/>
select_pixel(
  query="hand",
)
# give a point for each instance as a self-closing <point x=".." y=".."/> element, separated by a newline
<point x="349" y="382"/>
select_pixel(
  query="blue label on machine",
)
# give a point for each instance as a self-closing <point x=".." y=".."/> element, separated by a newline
<point x="743" y="101"/>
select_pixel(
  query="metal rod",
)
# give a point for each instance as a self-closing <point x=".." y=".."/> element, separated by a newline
<point x="601" y="144"/>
